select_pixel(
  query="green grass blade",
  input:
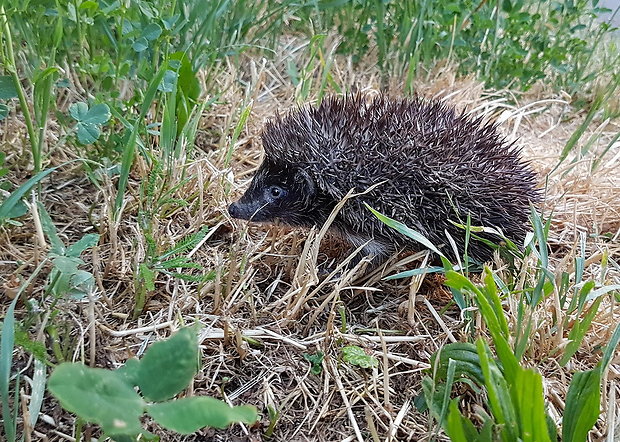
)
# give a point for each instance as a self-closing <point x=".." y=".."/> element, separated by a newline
<point x="458" y="427"/>
<point x="401" y="228"/>
<point x="415" y="272"/>
<point x="490" y="290"/>
<point x="49" y="228"/>
<point x="18" y="194"/>
<point x="582" y="405"/>
<point x="610" y="349"/>
<point x="578" y="332"/>
<point x="527" y="391"/>
<point x="7" y="342"/>
<point x="245" y="113"/>
<point x="8" y="204"/>
<point x="130" y="146"/>
<point x="600" y="99"/>
<point x="38" y="391"/>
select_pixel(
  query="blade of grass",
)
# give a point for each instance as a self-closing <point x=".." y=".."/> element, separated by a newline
<point x="8" y="204"/>
<point x="130" y="146"/>
<point x="243" y="117"/>
<point x="584" y="396"/>
<point x="527" y="390"/>
<point x="10" y="65"/>
<point x="7" y="342"/>
<point x="38" y="391"/>
<point x="582" y="405"/>
<point x="401" y="228"/>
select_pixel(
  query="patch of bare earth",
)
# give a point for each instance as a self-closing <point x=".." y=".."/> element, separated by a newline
<point x="266" y="306"/>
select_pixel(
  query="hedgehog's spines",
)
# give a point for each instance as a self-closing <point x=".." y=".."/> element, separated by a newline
<point x="425" y="151"/>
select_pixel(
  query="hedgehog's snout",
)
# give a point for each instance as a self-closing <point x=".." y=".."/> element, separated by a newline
<point x="236" y="211"/>
<point x="249" y="209"/>
<point x="232" y="210"/>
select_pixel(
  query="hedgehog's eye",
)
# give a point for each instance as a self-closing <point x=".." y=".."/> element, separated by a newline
<point x="276" y="192"/>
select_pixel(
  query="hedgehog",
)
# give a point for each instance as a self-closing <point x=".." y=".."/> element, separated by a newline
<point x="416" y="160"/>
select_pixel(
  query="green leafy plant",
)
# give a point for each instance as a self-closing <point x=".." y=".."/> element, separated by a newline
<point x="7" y="340"/>
<point x="7" y="343"/>
<point x="13" y="206"/>
<point x="316" y="361"/>
<point x="89" y="121"/>
<point x="65" y="278"/>
<point x="355" y="355"/>
<point x="19" y="208"/>
<point x="109" y="399"/>
<point x="168" y="264"/>
<point x="274" y="415"/>
<point x="515" y="394"/>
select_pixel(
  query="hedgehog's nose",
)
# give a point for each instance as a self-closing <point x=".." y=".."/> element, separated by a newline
<point x="234" y="210"/>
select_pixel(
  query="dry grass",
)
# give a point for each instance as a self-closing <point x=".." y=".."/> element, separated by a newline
<point x="266" y="306"/>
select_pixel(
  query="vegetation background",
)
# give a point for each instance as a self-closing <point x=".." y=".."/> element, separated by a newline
<point x="127" y="126"/>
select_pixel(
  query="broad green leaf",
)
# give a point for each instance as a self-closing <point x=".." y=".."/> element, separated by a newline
<point x="89" y="120"/>
<point x="87" y="133"/>
<point x="582" y="405"/>
<point x="18" y="210"/>
<point x="527" y="390"/>
<point x="140" y="45"/>
<point x="188" y="415"/>
<point x="152" y="31"/>
<point x="66" y="264"/>
<point x="89" y="4"/>
<point x="84" y="243"/>
<point x="82" y="283"/>
<point x="188" y="83"/>
<point x="168" y="366"/>
<point x="98" y="114"/>
<point x="357" y="356"/>
<point x="494" y="320"/>
<point x="78" y="110"/>
<point x="99" y="396"/>
<point x="466" y="360"/>
<point x="168" y="83"/>
<point x="458" y="427"/>
<point x="130" y="371"/>
<point x="498" y="392"/>
<point x="7" y="87"/>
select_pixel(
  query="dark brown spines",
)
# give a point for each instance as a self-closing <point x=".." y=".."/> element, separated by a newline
<point x="436" y="166"/>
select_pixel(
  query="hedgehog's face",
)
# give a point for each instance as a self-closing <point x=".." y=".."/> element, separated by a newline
<point x="278" y="193"/>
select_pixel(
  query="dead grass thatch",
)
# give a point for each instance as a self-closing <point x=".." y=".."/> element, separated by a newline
<point x="266" y="306"/>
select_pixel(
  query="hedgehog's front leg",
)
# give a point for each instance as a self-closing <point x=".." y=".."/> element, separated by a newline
<point x="378" y="250"/>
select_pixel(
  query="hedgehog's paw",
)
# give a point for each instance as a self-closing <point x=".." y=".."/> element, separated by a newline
<point x="375" y="253"/>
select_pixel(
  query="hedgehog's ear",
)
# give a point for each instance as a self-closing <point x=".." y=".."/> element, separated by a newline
<point x="306" y="180"/>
